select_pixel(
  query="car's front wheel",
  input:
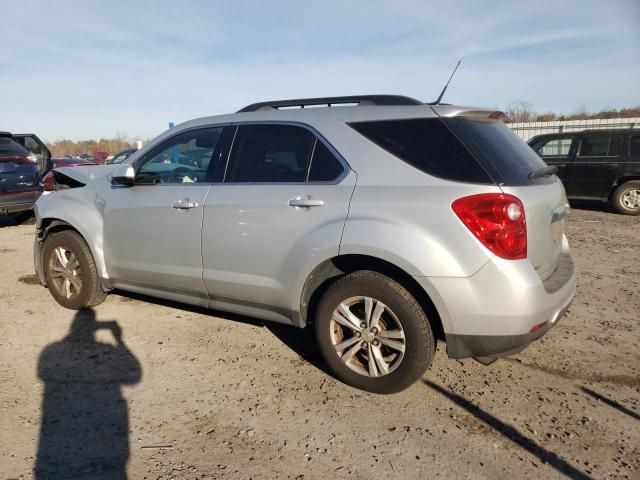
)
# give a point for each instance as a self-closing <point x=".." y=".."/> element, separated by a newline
<point x="70" y="272"/>
<point x="626" y="198"/>
<point x="372" y="333"/>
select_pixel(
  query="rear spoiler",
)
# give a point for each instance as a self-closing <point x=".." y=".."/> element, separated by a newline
<point x="473" y="112"/>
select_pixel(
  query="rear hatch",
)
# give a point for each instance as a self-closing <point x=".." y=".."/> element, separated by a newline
<point x="511" y="164"/>
<point x="18" y="173"/>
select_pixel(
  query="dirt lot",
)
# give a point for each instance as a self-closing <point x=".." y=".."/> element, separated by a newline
<point x="189" y="394"/>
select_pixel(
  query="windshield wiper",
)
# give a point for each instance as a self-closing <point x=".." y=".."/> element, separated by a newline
<point x="543" y="172"/>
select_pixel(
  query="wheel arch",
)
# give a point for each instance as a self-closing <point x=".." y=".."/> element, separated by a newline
<point x="46" y="227"/>
<point x="325" y="274"/>
<point x="621" y="181"/>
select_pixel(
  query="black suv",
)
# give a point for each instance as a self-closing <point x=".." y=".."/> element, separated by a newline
<point x="596" y="165"/>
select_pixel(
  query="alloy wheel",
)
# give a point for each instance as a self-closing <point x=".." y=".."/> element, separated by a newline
<point x="65" y="272"/>
<point x="367" y="336"/>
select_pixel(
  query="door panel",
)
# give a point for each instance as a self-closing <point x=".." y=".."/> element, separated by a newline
<point x="153" y="230"/>
<point x="149" y="242"/>
<point x="596" y="167"/>
<point x="255" y="245"/>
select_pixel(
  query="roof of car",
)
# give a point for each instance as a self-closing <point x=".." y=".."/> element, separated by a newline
<point x="590" y="131"/>
<point x="318" y="113"/>
<point x="359" y="113"/>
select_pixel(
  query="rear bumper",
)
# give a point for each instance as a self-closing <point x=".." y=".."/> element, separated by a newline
<point x="503" y="307"/>
<point x="463" y="346"/>
<point x="18" y="202"/>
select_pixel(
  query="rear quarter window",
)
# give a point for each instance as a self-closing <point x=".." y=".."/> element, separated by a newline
<point x="507" y="158"/>
<point x="426" y="144"/>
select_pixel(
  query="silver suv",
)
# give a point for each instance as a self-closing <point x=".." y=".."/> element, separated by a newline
<point x="385" y="222"/>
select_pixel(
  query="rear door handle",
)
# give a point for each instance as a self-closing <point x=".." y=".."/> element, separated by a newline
<point x="184" y="204"/>
<point x="305" y="202"/>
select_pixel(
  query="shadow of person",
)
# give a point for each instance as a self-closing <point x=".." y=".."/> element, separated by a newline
<point x="85" y="426"/>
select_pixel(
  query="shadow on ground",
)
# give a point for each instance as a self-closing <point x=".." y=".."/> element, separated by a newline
<point x="84" y="430"/>
<point x="301" y="341"/>
<point x="611" y="403"/>
<point x="511" y="433"/>
<point x="25" y="218"/>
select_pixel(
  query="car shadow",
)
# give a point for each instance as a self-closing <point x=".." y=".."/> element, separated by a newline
<point x="511" y="433"/>
<point x="84" y="430"/>
<point x="592" y="205"/>
<point x="300" y="340"/>
<point x="611" y="403"/>
<point x="16" y="219"/>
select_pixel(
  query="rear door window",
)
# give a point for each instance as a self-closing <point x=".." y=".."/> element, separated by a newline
<point x="270" y="154"/>
<point x="325" y="167"/>
<point x="594" y="146"/>
<point x="426" y="144"/>
<point x="634" y="146"/>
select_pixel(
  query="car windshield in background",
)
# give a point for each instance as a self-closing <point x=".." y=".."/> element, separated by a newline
<point x="508" y="159"/>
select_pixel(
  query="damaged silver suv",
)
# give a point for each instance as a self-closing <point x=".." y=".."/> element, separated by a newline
<point x="385" y="222"/>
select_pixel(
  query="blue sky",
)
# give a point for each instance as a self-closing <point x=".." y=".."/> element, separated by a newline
<point x="85" y="69"/>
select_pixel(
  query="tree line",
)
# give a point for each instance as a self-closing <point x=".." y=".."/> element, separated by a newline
<point x="112" y="146"/>
<point x="521" y="111"/>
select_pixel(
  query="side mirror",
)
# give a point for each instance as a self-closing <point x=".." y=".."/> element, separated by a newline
<point x="123" y="174"/>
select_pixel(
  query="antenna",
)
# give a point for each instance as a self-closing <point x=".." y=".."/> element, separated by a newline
<point x="437" y="102"/>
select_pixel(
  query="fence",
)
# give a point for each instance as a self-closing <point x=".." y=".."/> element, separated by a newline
<point x="531" y="129"/>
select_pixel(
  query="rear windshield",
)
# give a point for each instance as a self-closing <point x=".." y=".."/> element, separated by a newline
<point x="507" y="158"/>
<point x="426" y="144"/>
<point x="10" y="147"/>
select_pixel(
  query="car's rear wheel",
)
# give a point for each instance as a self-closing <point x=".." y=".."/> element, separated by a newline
<point x="70" y="272"/>
<point x="373" y="334"/>
<point x="626" y="198"/>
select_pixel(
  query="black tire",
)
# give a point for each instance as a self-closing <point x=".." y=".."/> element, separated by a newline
<point x="90" y="292"/>
<point x="621" y="197"/>
<point x="419" y="342"/>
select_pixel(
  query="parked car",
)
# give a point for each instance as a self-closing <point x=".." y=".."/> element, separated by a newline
<point x="601" y="165"/>
<point x="122" y="156"/>
<point x="387" y="225"/>
<point x="100" y="157"/>
<point x="19" y="176"/>
<point x="31" y="142"/>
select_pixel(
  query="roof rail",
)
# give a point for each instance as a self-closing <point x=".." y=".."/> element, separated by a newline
<point x="330" y="101"/>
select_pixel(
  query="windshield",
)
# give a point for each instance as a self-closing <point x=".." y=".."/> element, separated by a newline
<point x="508" y="158"/>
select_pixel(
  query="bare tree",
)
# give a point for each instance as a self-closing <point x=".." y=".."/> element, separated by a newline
<point x="519" y="111"/>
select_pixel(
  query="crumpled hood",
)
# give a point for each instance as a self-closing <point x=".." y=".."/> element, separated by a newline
<point x="87" y="173"/>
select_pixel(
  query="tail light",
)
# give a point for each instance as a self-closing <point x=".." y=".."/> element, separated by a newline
<point x="49" y="182"/>
<point x="497" y="220"/>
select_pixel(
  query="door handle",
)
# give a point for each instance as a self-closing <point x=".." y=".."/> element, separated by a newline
<point x="305" y="202"/>
<point x="560" y="164"/>
<point x="184" y="204"/>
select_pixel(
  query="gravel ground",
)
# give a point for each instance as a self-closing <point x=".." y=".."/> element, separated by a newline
<point x="177" y="392"/>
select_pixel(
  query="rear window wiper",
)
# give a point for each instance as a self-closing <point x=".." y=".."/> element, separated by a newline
<point x="543" y="172"/>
